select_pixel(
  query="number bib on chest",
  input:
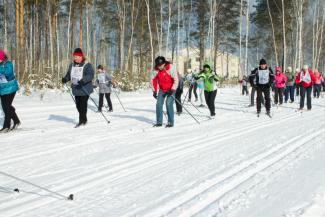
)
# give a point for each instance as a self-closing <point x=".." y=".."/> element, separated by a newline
<point x="76" y="74"/>
<point x="306" y="78"/>
<point x="263" y="76"/>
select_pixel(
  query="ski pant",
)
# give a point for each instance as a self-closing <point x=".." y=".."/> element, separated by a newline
<point x="209" y="99"/>
<point x="253" y="96"/>
<point x="260" y="92"/>
<point x="244" y="90"/>
<point x="316" y="89"/>
<point x="169" y="106"/>
<point x="278" y="95"/>
<point x="290" y="90"/>
<point x="297" y="89"/>
<point x="201" y="91"/>
<point x="9" y="110"/>
<point x="101" y="101"/>
<point x="178" y="97"/>
<point x="194" y="88"/>
<point x="81" y="104"/>
<point x="303" y="92"/>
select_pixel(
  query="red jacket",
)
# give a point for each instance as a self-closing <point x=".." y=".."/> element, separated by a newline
<point x="166" y="79"/>
<point x="306" y="84"/>
<point x="318" y="78"/>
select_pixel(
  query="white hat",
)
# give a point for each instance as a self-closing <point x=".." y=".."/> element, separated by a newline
<point x="189" y="70"/>
<point x="305" y="67"/>
<point x="289" y="69"/>
<point x="297" y="70"/>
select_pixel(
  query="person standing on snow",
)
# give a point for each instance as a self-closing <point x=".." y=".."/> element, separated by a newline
<point x="200" y="86"/>
<point x="318" y="83"/>
<point x="178" y="94"/>
<point x="105" y="82"/>
<point x="297" y="86"/>
<point x="305" y="79"/>
<point x="81" y="75"/>
<point x="279" y="83"/>
<point x="290" y="86"/>
<point x="264" y="77"/>
<point x="167" y="80"/>
<point x="244" y="82"/>
<point x="8" y="89"/>
<point x="190" y="77"/>
<point x="210" y="79"/>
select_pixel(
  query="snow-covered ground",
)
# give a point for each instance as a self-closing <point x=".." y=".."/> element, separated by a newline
<point x="237" y="165"/>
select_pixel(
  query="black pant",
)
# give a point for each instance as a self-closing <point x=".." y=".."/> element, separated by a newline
<point x="194" y="88"/>
<point x="303" y="91"/>
<point x="297" y="89"/>
<point x="317" y="88"/>
<point x="178" y="97"/>
<point x="253" y="96"/>
<point x="278" y="95"/>
<point x="108" y="99"/>
<point x="263" y="90"/>
<point x="9" y="110"/>
<point x="81" y="104"/>
<point x="244" y="90"/>
<point x="209" y="99"/>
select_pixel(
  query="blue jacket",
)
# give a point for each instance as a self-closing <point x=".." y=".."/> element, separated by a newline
<point x="8" y="82"/>
<point x="88" y="74"/>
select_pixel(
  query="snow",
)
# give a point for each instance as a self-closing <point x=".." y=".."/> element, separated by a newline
<point x="234" y="165"/>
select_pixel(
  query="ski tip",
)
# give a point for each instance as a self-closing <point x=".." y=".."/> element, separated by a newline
<point x="70" y="197"/>
<point x="16" y="190"/>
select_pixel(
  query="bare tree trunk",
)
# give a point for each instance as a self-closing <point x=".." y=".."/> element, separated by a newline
<point x="274" y="43"/>
<point x="240" y="32"/>
<point x="69" y="22"/>
<point x="168" y="26"/>
<point x="284" y="38"/>
<point x="247" y="35"/>
<point x="150" y="34"/>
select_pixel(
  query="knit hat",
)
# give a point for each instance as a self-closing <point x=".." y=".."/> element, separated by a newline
<point x="78" y="52"/>
<point x="2" y="55"/>
<point x="160" y="60"/>
<point x="262" y="62"/>
<point x="100" y="67"/>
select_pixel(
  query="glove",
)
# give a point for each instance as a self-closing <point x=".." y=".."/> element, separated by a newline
<point x="64" y="80"/>
<point x="170" y="92"/>
<point x="154" y="95"/>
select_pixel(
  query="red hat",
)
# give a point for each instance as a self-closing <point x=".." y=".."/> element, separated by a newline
<point x="78" y="52"/>
<point x="2" y="55"/>
<point x="278" y="69"/>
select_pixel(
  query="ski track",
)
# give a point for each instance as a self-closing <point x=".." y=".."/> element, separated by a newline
<point x="190" y="201"/>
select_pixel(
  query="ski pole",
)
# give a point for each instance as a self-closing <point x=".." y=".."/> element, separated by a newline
<point x="69" y="90"/>
<point x="185" y="109"/>
<point x="195" y="107"/>
<point x="86" y="92"/>
<point x="186" y="94"/>
<point x="119" y="100"/>
<point x="70" y="197"/>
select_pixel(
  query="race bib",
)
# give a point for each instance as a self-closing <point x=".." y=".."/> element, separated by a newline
<point x="263" y="76"/>
<point x="3" y="79"/>
<point x="306" y="78"/>
<point x="76" y="74"/>
<point x="101" y="78"/>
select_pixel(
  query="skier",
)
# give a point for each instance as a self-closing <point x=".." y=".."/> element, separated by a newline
<point x="200" y="86"/>
<point x="305" y="78"/>
<point x="244" y="82"/>
<point x="318" y="83"/>
<point x="8" y="89"/>
<point x="105" y="82"/>
<point x="192" y="85"/>
<point x="263" y="76"/>
<point x="178" y="95"/>
<point x="81" y="75"/>
<point x="279" y="83"/>
<point x="297" y="86"/>
<point x="209" y="78"/>
<point x="290" y="88"/>
<point x="167" y="80"/>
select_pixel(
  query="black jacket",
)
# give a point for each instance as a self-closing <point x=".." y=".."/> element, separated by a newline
<point x="254" y="78"/>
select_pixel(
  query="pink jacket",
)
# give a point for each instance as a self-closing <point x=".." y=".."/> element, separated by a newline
<point x="318" y="78"/>
<point x="279" y="79"/>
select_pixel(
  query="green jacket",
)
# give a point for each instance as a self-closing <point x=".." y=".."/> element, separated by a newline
<point x="209" y="78"/>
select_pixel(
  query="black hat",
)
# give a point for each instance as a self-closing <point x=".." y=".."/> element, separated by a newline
<point x="100" y="67"/>
<point x="262" y="62"/>
<point x="206" y="66"/>
<point x="160" y="60"/>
